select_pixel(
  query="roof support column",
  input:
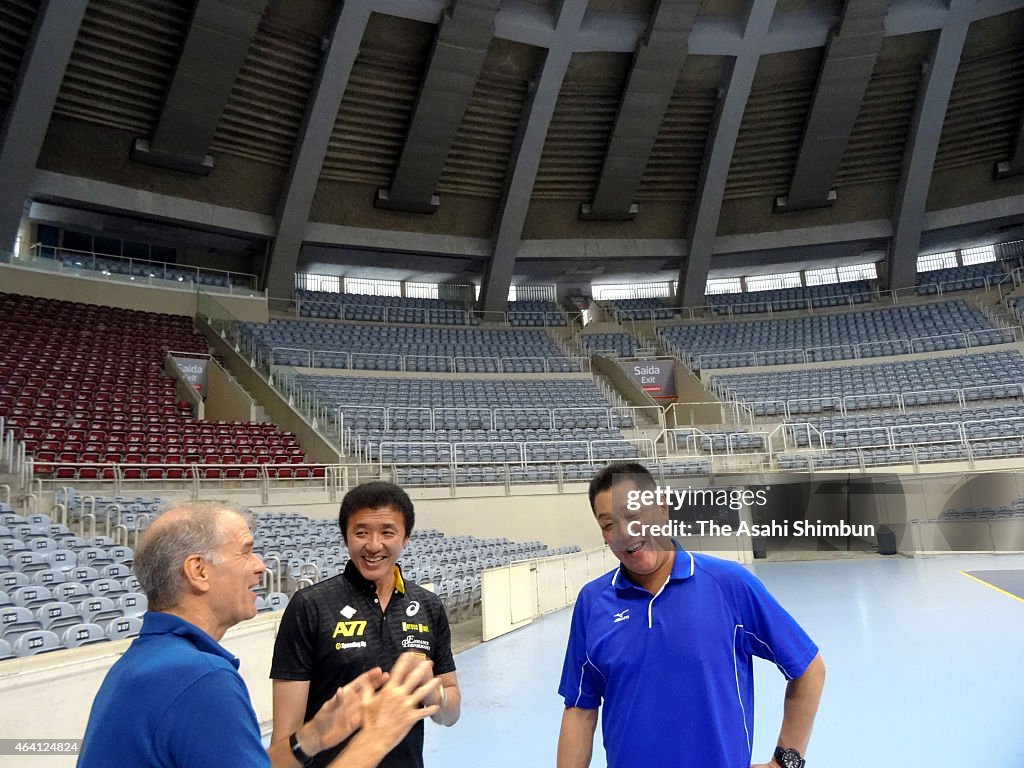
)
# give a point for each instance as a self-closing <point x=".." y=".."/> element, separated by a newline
<point x="923" y="143"/>
<point x="1015" y="165"/>
<point x="533" y="129"/>
<point x="657" y="62"/>
<point x="218" y="40"/>
<point x="844" y="76"/>
<point x="714" y="172"/>
<point x="460" y="49"/>
<point x="311" y="147"/>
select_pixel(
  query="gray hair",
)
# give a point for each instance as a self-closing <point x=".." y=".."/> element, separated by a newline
<point x="163" y="549"/>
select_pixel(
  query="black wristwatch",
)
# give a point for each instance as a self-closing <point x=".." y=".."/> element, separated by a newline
<point x="300" y="754"/>
<point x="788" y="758"/>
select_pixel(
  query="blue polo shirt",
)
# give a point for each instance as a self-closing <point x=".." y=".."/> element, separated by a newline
<point x="674" y="671"/>
<point x="175" y="698"/>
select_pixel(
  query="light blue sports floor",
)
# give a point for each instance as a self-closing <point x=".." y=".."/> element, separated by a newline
<point x="925" y="669"/>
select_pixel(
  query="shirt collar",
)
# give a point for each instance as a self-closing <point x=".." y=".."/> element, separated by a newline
<point x="361" y="582"/>
<point x="682" y="568"/>
<point x="159" y="623"/>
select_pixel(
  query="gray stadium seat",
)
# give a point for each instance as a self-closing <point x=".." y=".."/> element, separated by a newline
<point x="83" y="634"/>
<point x="35" y="642"/>
<point x="98" y="609"/>
<point x="277" y="601"/>
<point x="133" y="604"/>
<point x="56" y="616"/>
<point x="119" y="629"/>
<point x="16" y="620"/>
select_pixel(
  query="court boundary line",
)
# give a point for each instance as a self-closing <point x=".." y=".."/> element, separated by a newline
<point x="993" y="586"/>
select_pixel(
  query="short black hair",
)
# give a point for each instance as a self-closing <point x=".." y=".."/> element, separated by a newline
<point x="620" y="470"/>
<point x="375" y="495"/>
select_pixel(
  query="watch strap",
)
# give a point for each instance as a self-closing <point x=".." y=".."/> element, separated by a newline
<point x="298" y="752"/>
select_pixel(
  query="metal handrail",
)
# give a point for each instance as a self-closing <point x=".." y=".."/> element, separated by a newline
<point x="671" y="413"/>
<point x="695" y="361"/>
<point x="842" y="404"/>
<point x="896" y="441"/>
<point x="610" y="415"/>
<point x="91" y="518"/>
<point x="395" y="443"/>
<point x="810" y="303"/>
<point x="308" y="569"/>
<point x="949" y="286"/>
<point x="456" y="451"/>
<point x="346" y="356"/>
<point x="502" y="364"/>
<point x="895" y="432"/>
<point x="439" y="412"/>
<point x="528" y="410"/>
<point x="696" y="435"/>
<point x="391" y="411"/>
<point x="504" y="468"/>
<point x="39" y="251"/>
<point x="504" y="317"/>
<point x="556" y="318"/>
<point x="272" y="576"/>
<point x="1015" y="277"/>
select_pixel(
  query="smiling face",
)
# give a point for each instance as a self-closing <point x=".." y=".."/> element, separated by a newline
<point x="645" y="557"/>
<point x="235" y="573"/>
<point x="376" y="538"/>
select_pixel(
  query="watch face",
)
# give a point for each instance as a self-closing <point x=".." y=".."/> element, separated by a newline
<point x="789" y="758"/>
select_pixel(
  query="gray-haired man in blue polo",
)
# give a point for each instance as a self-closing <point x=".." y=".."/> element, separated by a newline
<point x="175" y="697"/>
<point x="666" y="642"/>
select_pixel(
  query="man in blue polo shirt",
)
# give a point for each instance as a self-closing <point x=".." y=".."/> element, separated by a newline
<point x="175" y="698"/>
<point x="665" y="643"/>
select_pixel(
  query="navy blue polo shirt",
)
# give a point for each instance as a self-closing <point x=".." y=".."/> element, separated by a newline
<point x="174" y="699"/>
<point x="674" y="671"/>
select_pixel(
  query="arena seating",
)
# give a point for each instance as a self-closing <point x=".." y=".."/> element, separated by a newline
<point x="931" y="381"/>
<point x="433" y="421"/>
<point x="300" y="548"/>
<point x="640" y="309"/>
<point x="919" y="426"/>
<point x="1016" y="304"/>
<point x="401" y="309"/>
<point x="294" y="547"/>
<point x="390" y="309"/>
<point x="873" y="333"/>
<point x="83" y="384"/>
<point x="390" y="348"/>
<point x="622" y="344"/>
<point x="525" y="314"/>
<point x="873" y="457"/>
<point x="435" y="432"/>
<point x="964" y="278"/>
<point x="1011" y="511"/>
<point x="784" y="299"/>
<point x="902" y="438"/>
<point x="718" y="441"/>
<point x="88" y="594"/>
